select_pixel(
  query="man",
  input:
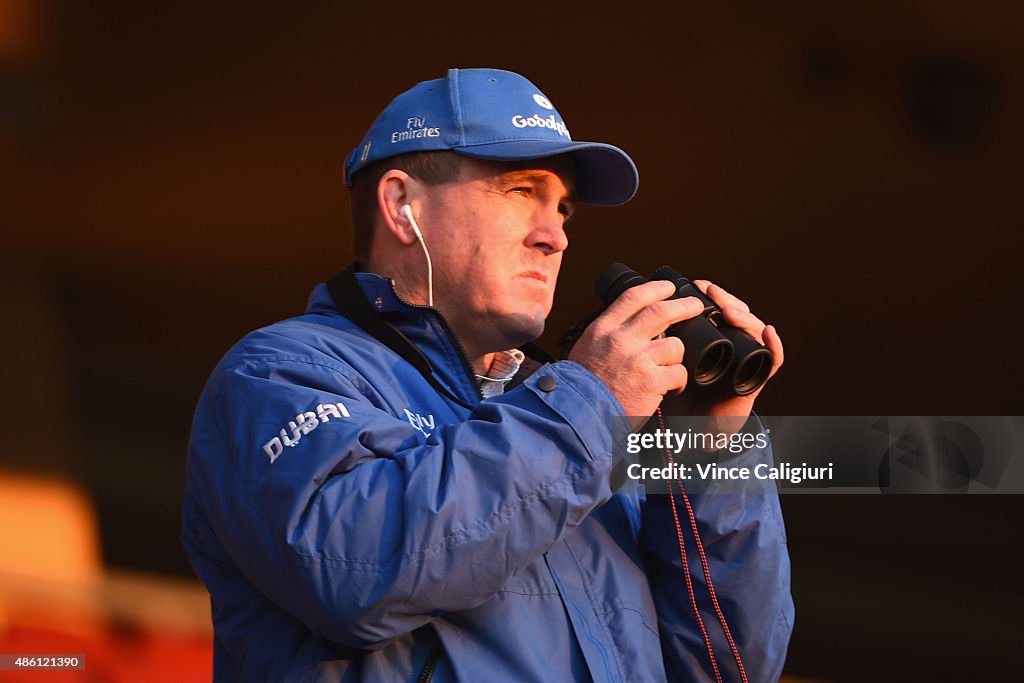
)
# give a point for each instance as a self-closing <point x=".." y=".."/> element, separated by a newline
<point x="380" y="490"/>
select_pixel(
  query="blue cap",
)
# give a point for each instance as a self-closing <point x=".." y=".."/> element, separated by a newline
<point x="497" y="115"/>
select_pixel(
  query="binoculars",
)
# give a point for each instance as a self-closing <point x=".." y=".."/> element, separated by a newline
<point x="716" y="354"/>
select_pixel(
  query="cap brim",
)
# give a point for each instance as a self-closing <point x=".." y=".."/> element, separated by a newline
<point x="605" y="175"/>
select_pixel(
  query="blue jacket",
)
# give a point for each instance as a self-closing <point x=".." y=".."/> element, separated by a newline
<point x="353" y="523"/>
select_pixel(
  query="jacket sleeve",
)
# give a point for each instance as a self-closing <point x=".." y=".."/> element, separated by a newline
<point x="742" y="531"/>
<point x="362" y="529"/>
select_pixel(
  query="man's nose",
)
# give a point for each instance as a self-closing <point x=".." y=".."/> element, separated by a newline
<point x="548" y="233"/>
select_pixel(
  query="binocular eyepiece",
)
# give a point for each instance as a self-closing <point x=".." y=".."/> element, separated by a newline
<point x="716" y="353"/>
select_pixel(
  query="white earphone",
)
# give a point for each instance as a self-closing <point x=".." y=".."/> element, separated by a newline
<point x="406" y="210"/>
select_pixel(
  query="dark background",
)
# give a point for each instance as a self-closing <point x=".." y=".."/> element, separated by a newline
<point x="171" y="178"/>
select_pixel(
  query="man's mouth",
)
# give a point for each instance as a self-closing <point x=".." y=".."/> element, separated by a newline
<point x="535" y="275"/>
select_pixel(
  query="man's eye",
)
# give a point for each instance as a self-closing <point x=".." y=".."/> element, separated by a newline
<point x="521" y="190"/>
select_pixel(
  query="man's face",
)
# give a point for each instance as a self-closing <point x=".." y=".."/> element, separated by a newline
<point x="496" y="237"/>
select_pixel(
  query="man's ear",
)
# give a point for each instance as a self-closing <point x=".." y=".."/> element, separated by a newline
<point x="396" y="189"/>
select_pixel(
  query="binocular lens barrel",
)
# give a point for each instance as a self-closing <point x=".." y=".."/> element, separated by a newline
<point x="614" y="280"/>
<point x="752" y="372"/>
<point x="753" y="362"/>
<point x="707" y="354"/>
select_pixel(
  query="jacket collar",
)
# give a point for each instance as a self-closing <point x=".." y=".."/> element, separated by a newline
<point x="424" y="328"/>
<point x="419" y="334"/>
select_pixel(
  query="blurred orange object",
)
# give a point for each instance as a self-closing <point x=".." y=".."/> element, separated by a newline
<point x="56" y="598"/>
<point x="50" y="565"/>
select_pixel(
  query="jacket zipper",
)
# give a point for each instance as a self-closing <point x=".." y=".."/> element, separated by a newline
<point x="427" y="674"/>
<point x="456" y="342"/>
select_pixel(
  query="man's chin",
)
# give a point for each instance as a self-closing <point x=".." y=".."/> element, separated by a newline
<point x="522" y="328"/>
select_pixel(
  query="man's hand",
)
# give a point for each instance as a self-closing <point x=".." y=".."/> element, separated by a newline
<point x="737" y="314"/>
<point x="620" y="347"/>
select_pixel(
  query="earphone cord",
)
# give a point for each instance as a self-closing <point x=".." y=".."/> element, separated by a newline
<point x="407" y="210"/>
